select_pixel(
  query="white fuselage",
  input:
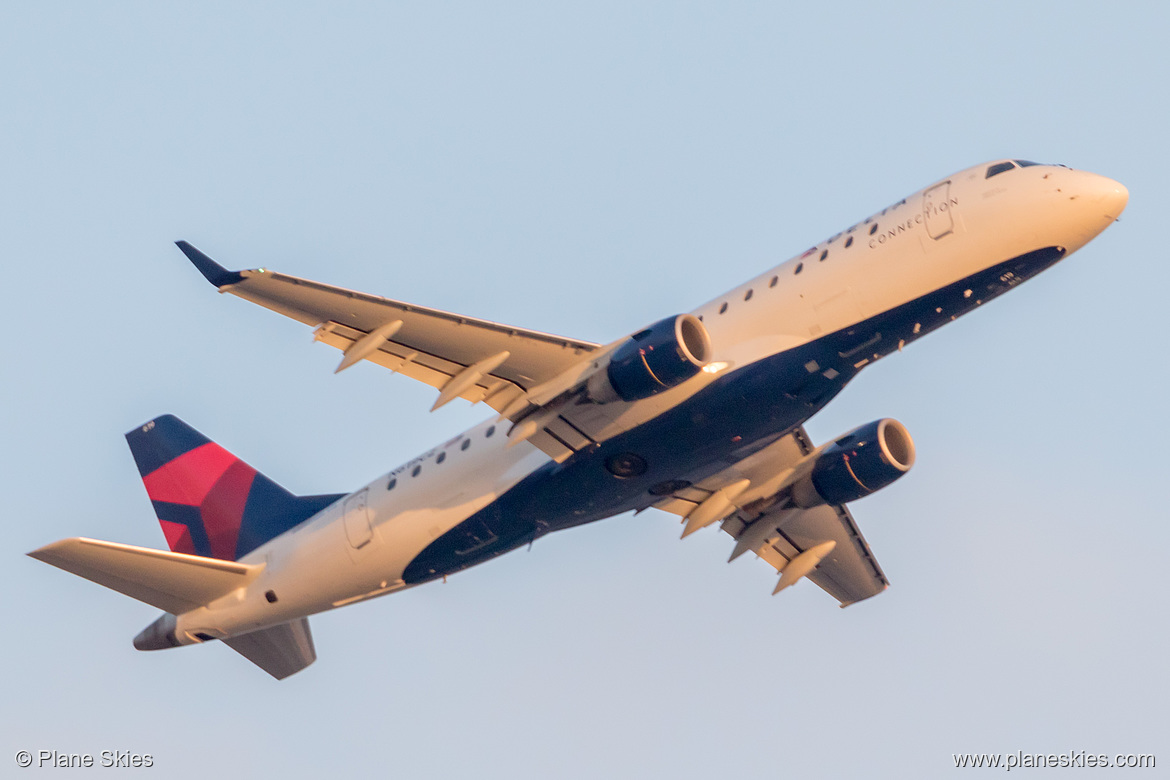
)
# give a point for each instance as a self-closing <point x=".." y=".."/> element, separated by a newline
<point x="941" y="235"/>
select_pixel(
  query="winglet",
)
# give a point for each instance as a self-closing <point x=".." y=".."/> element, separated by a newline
<point x="211" y="270"/>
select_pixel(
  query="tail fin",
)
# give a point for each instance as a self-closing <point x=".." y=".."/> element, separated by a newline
<point x="208" y="501"/>
<point x="281" y="650"/>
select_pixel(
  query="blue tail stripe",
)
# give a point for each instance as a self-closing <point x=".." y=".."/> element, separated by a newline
<point x="271" y="510"/>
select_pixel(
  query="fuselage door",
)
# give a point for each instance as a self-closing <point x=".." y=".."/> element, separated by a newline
<point x="357" y="520"/>
<point x="936" y="208"/>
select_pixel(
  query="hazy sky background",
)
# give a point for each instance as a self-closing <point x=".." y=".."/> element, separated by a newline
<point x="583" y="169"/>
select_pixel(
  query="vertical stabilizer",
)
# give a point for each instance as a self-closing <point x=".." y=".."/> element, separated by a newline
<point x="281" y="650"/>
<point x="208" y="501"/>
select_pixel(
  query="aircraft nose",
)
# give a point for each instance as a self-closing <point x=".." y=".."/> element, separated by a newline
<point x="1091" y="204"/>
<point x="1111" y="195"/>
<point x="1114" y="196"/>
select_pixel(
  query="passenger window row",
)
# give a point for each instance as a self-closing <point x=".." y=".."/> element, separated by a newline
<point x="747" y="296"/>
<point x="442" y="456"/>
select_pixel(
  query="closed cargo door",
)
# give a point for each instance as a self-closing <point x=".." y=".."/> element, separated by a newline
<point x="936" y="207"/>
<point x="357" y="520"/>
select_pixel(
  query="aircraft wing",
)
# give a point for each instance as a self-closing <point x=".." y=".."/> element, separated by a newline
<point x="462" y="356"/>
<point x="763" y="521"/>
<point x="849" y="573"/>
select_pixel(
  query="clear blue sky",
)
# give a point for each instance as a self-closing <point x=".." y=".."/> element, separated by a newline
<point x="582" y="169"/>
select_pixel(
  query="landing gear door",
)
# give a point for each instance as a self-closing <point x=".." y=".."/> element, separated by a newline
<point x="357" y="520"/>
<point x="936" y="207"/>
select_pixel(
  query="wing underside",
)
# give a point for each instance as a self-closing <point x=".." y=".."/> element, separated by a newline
<point x="850" y="573"/>
<point x="776" y="532"/>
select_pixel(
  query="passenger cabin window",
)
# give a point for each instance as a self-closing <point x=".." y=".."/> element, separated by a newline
<point x="748" y="295"/>
<point x="998" y="168"/>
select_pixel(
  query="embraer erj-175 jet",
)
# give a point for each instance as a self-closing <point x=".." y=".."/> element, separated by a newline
<point x="699" y="414"/>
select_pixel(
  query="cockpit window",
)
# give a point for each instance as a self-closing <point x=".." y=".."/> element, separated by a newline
<point x="1026" y="163"/>
<point x="998" y="168"/>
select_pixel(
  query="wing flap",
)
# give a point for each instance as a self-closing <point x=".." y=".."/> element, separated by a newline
<point x="424" y="367"/>
<point x="173" y="582"/>
<point x="849" y="573"/>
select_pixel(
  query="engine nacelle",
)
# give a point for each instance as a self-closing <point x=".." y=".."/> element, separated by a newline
<point x="859" y="463"/>
<point x="652" y="360"/>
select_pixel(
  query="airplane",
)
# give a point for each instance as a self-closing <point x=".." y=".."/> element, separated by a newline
<point x="699" y="414"/>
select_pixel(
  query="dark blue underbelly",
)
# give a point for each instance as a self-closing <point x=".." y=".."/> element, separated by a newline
<point x="726" y="421"/>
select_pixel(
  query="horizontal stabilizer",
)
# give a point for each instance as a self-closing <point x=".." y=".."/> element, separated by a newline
<point x="173" y="582"/>
<point x="281" y="650"/>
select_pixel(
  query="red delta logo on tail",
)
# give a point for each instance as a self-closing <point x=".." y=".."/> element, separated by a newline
<point x="215" y="484"/>
<point x="208" y="501"/>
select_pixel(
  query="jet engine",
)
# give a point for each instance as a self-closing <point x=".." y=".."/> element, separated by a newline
<point x="859" y="463"/>
<point x="652" y="360"/>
